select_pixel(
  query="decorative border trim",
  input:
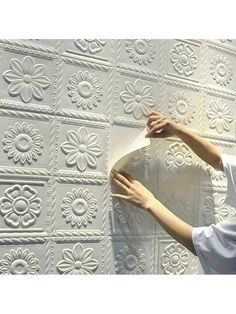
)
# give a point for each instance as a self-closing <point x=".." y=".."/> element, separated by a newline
<point x="218" y="46"/>
<point x="24" y="50"/>
<point x="86" y="62"/>
<point x="78" y="238"/>
<point x="29" y="45"/>
<point x="66" y="120"/>
<point x="23" y="240"/>
<point x="174" y="81"/>
<point x="78" y="233"/>
<point x="82" y="115"/>
<point x="93" y="180"/>
<point x="24" y="114"/>
<point x="123" y="238"/>
<point x="129" y="122"/>
<point x="7" y="104"/>
<point x="21" y="171"/>
<point x="138" y="72"/>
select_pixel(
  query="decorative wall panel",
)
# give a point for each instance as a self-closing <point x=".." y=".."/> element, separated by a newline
<point x="59" y="100"/>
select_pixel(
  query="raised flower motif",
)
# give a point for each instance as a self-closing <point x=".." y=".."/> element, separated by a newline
<point x="137" y="98"/>
<point x="174" y="259"/>
<point x="128" y="215"/>
<point x="19" y="262"/>
<point x="183" y="59"/>
<point x="130" y="260"/>
<point x="23" y="143"/>
<point x="78" y="261"/>
<point x="82" y="149"/>
<point x="91" y="46"/>
<point x="215" y="210"/>
<point x="141" y="50"/>
<point x="26" y="79"/>
<point x="177" y="156"/>
<point x="20" y="206"/>
<point x="85" y="90"/>
<point x="221" y="70"/>
<point x="219" y="116"/>
<point x="79" y="207"/>
<point x="181" y="108"/>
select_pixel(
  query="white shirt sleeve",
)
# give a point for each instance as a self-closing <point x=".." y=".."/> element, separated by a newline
<point x="229" y="164"/>
<point x="215" y="245"/>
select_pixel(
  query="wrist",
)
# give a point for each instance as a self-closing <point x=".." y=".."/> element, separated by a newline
<point x="179" y="129"/>
<point x="150" y="204"/>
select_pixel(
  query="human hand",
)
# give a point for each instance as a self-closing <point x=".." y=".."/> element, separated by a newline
<point x="159" y="126"/>
<point x="136" y="192"/>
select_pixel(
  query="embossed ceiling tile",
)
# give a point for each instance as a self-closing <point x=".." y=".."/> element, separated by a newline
<point x="127" y="219"/>
<point x="28" y="79"/>
<point x="81" y="147"/>
<point x="145" y="54"/>
<point x="174" y="259"/>
<point x="183" y="59"/>
<point x="208" y="175"/>
<point x="219" y="116"/>
<point x="132" y="255"/>
<point x="100" y="49"/>
<point x="80" y="207"/>
<point x="84" y="88"/>
<point x="219" y="73"/>
<point x="182" y="203"/>
<point x="174" y="158"/>
<point x="24" y="259"/>
<point x="135" y="97"/>
<point x="24" y="206"/>
<point x="79" y="257"/>
<point x="183" y="105"/>
<point x="212" y="208"/>
<point x="26" y="141"/>
<point x="179" y="195"/>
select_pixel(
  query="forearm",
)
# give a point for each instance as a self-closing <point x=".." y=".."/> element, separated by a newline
<point x="177" y="228"/>
<point x="201" y="147"/>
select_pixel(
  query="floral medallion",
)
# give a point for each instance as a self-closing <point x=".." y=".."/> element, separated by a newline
<point x="19" y="262"/>
<point x="219" y="116"/>
<point x="221" y="70"/>
<point x="85" y="90"/>
<point x="78" y="261"/>
<point x="183" y="59"/>
<point x="141" y="50"/>
<point x="178" y="156"/>
<point x="26" y="79"/>
<point x="128" y="215"/>
<point x="137" y="99"/>
<point x="23" y="143"/>
<point x="130" y="261"/>
<point x="91" y="46"/>
<point x="20" y="206"/>
<point x="174" y="259"/>
<point x="181" y="108"/>
<point x="79" y="207"/>
<point x="215" y="210"/>
<point x="82" y="149"/>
